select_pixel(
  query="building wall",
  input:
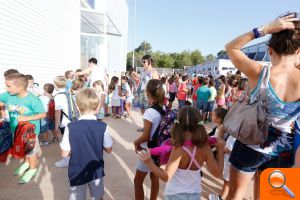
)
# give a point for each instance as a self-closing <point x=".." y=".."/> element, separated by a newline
<point x="39" y="37"/>
<point x="117" y="49"/>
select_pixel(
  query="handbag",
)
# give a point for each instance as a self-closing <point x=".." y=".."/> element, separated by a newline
<point x="248" y="122"/>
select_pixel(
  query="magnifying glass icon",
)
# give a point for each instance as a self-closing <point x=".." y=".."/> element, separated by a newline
<point x="277" y="180"/>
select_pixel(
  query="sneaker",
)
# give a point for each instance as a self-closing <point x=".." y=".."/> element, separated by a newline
<point x="45" y="143"/>
<point x="20" y="170"/>
<point x="63" y="162"/>
<point x="214" y="197"/>
<point x="55" y="140"/>
<point x="28" y="176"/>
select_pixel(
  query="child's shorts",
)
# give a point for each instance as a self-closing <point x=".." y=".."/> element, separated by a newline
<point x="141" y="166"/>
<point x="226" y="170"/>
<point x="46" y="124"/>
<point x="96" y="190"/>
<point x="129" y="99"/>
<point x="202" y="105"/>
<point x="183" y="196"/>
<point x="211" y="106"/>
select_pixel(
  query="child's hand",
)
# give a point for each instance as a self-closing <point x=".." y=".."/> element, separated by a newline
<point x="23" y="119"/>
<point x="144" y="155"/>
<point x="137" y="148"/>
<point x="226" y="150"/>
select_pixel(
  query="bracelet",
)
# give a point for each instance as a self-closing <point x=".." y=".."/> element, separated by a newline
<point x="256" y="33"/>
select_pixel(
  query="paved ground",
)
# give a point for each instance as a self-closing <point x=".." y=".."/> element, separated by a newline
<point x="51" y="182"/>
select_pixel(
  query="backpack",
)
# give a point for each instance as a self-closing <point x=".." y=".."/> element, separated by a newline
<point x="163" y="131"/>
<point x="51" y="109"/>
<point x="24" y="141"/>
<point x="6" y="136"/>
<point x="73" y="114"/>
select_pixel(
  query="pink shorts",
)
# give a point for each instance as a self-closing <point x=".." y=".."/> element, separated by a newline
<point x="220" y="102"/>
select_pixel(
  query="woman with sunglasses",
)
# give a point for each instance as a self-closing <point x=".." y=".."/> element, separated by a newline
<point x="283" y="101"/>
<point x="149" y="73"/>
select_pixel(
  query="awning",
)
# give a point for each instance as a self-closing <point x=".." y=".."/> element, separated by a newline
<point x="92" y="22"/>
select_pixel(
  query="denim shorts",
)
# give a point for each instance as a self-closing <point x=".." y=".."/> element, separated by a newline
<point x="211" y="106"/>
<point x="46" y="124"/>
<point x="247" y="160"/>
<point x="183" y="196"/>
<point x="202" y="105"/>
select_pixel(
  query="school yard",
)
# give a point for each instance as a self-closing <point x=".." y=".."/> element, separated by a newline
<point x="51" y="183"/>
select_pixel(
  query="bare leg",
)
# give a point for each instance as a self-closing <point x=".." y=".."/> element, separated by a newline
<point x="128" y="109"/>
<point x="32" y="161"/>
<point x="225" y="189"/>
<point x="138" y="184"/>
<point x="238" y="184"/>
<point x="257" y="185"/>
<point x="154" y="186"/>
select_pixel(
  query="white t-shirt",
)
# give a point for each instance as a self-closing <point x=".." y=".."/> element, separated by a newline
<point x="65" y="143"/>
<point x="61" y="103"/>
<point x="155" y="118"/>
<point x="45" y="100"/>
<point x="229" y="144"/>
<point x="98" y="73"/>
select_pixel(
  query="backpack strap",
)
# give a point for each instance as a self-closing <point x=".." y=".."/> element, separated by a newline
<point x="161" y="111"/>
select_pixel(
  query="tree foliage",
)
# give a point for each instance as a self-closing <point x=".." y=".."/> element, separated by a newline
<point x="167" y="60"/>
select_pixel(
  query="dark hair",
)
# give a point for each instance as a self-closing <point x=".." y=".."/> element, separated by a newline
<point x="188" y="120"/>
<point x="206" y="81"/>
<point x="238" y="72"/>
<point x="29" y="77"/>
<point x="113" y="83"/>
<point x="148" y="58"/>
<point x="211" y="82"/>
<point x="223" y="79"/>
<point x="185" y="77"/>
<point x="93" y="60"/>
<point x="242" y="83"/>
<point x="155" y="89"/>
<point x="67" y="73"/>
<point x="163" y="80"/>
<point x="49" y="88"/>
<point x="285" y="42"/>
<point x="125" y="78"/>
<point x="171" y="79"/>
<point x="200" y="80"/>
<point x="220" y="113"/>
<point x="10" y="71"/>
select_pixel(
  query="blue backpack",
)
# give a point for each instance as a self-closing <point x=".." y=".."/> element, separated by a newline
<point x="6" y="137"/>
<point x="73" y="114"/>
<point x="297" y="135"/>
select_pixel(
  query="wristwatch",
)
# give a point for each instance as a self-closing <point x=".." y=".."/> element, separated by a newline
<point x="261" y="31"/>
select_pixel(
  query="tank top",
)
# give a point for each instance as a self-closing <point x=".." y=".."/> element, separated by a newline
<point x="281" y="116"/>
<point x="145" y="77"/>
<point x="186" y="180"/>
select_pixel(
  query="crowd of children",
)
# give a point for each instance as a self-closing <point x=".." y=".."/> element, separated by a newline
<point x="74" y="106"/>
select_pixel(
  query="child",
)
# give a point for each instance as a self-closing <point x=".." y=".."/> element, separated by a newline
<point x="47" y="123"/>
<point x="220" y="99"/>
<point x="152" y="118"/>
<point x="182" y="172"/>
<point x="128" y="94"/>
<point x="69" y="76"/>
<point x="172" y="90"/>
<point x="116" y="99"/>
<point x="203" y="94"/>
<point x="22" y="106"/>
<point x="218" y="116"/>
<point x="86" y="164"/>
<point x="32" y="86"/>
<point x="211" y="100"/>
<point x="99" y="88"/>
<point x="241" y="90"/>
<point x="61" y="112"/>
<point x="182" y="91"/>
<point x="166" y="89"/>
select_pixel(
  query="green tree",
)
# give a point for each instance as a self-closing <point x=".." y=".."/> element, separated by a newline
<point x="221" y="52"/>
<point x="165" y="61"/>
<point x="145" y="48"/>
<point x="197" y="58"/>
<point x="210" y="57"/>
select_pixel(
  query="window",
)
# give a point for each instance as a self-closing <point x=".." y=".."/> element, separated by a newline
<point x="224" y="68"/>
<point x="260" y="56"/>
<point x="251" y="55"/>
<point x="216" y="68"/>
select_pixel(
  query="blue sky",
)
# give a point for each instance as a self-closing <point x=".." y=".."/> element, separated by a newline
<point x="176" y="25"/>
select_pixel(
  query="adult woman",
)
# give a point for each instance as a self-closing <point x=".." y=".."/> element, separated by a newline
<point x="283" y="101"/>
<point x="149" y="72"/>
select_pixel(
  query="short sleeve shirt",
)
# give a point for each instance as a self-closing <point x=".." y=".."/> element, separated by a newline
<point x="26" y="106"/>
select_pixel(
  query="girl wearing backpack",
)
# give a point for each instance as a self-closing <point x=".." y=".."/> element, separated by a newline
<point x="182" y="172"/>
<point x="152" y="118"/>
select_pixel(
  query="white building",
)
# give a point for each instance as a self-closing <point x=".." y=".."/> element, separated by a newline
<point x="45" y="38"/>
<point x="223" y="65"/>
